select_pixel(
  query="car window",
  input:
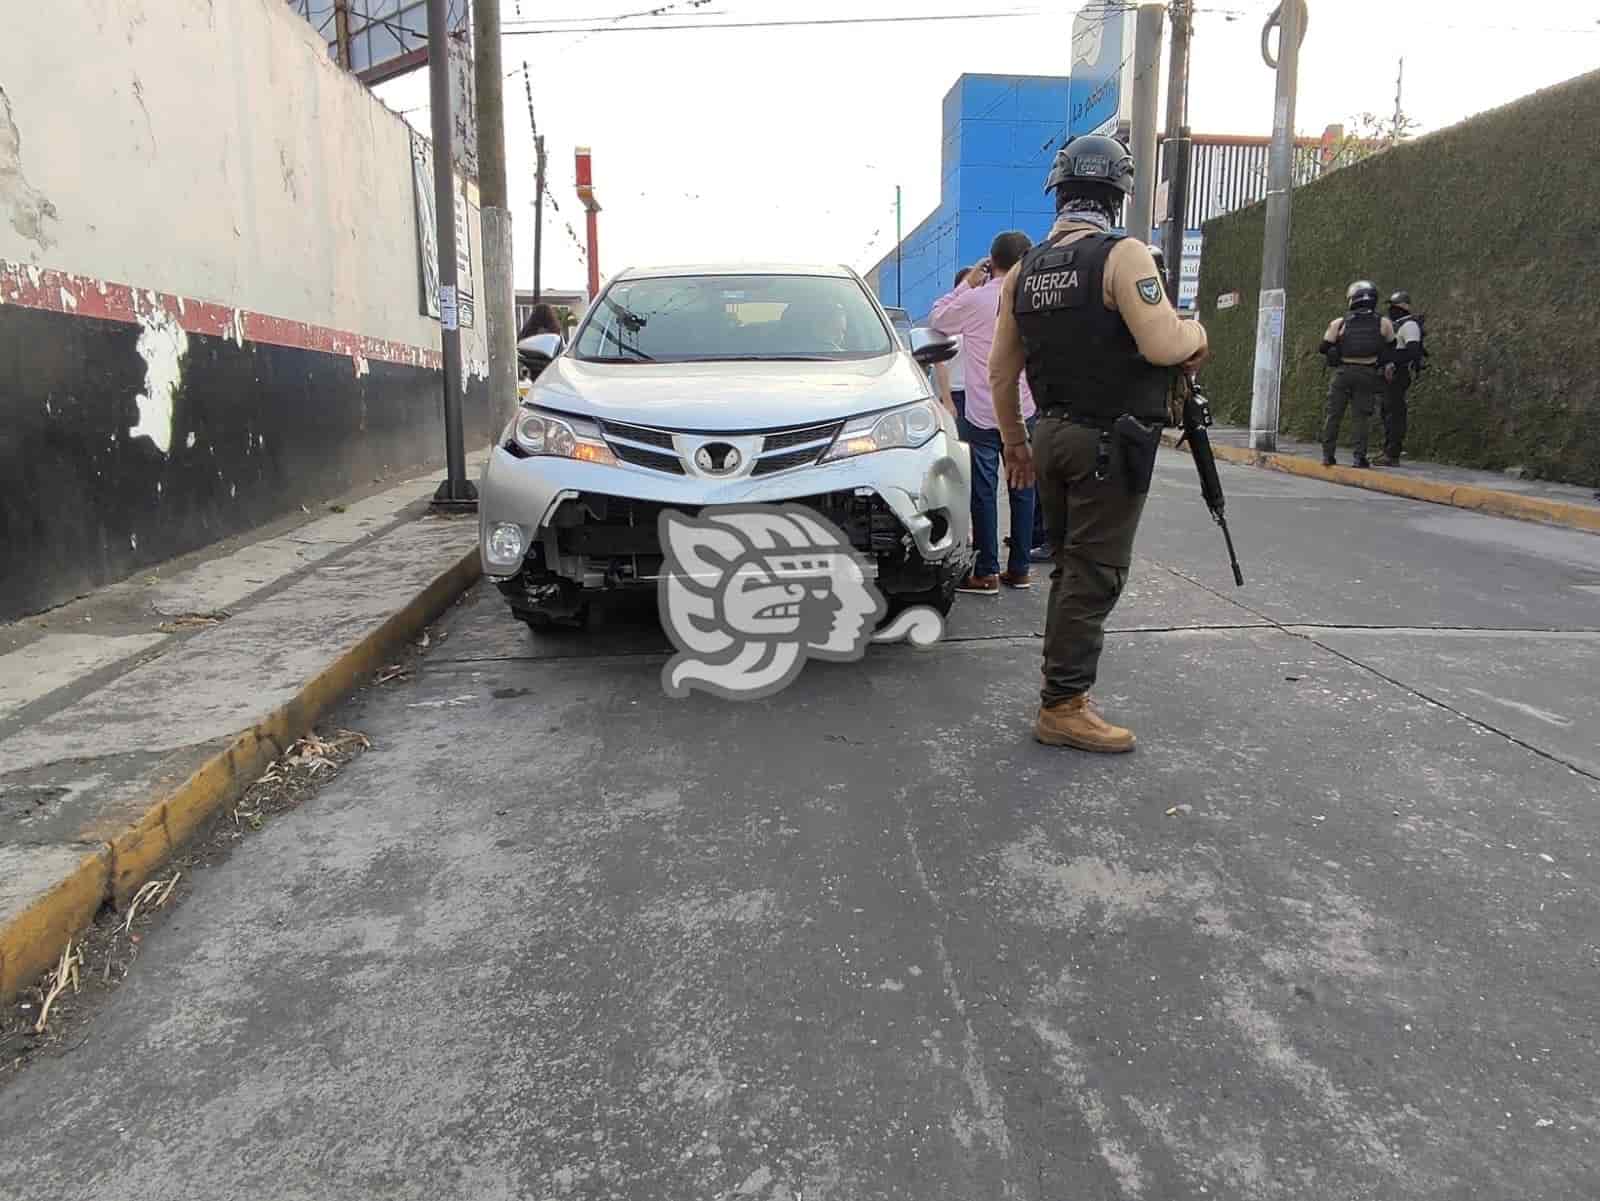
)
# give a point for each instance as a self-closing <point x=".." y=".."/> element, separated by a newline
<point x="687" y="318"/>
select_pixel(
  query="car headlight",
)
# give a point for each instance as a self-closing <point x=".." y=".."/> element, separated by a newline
<point x="899" y="428"/>
<point x="540" y="433"/>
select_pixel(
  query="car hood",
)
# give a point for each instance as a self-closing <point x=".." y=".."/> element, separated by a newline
<point x="714" y="397"/>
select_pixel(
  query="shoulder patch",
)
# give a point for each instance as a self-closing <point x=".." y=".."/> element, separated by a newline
<point x="1150" y="290"/>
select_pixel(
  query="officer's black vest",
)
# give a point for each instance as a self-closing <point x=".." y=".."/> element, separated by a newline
<point x="1361" y="337"/>
<point x="1079" y="354"/>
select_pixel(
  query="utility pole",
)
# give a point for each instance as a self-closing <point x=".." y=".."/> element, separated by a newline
<point x="1291" y="20"/>
<point x="457" y="492"/>
<point x="538" y="212"/>
<point x="538" y="182"/>
<point x="500" y="299"/>
<point x="899" y="296"/>
<point x="1175" y="163"/>
<point x="1399" y="113"/>
<point x="1146" y="97"/>
<point x="341" y="31"/>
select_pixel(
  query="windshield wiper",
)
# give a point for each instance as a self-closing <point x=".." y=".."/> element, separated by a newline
<point x="606" y="332"/>
<point x="630" y="319"/>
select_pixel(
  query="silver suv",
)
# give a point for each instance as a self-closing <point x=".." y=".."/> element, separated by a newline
<point x="689" y="387"/>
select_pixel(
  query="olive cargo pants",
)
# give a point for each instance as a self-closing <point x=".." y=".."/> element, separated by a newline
<point x="1091" y="524"/>
<point x="1356" y="385"/>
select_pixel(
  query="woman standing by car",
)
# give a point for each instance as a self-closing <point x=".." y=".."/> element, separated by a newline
<point x="542" y="320"/>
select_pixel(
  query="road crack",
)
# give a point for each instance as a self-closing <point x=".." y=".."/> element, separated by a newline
<point x="1298" y="630"/>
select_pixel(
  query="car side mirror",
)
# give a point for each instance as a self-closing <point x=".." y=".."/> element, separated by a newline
<point x="929" y="346"/>
<point x="542" y="346"/>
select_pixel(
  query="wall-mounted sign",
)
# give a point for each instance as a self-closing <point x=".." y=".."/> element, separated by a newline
<point x="1227" y="300"/>
<point x="466" y="214"/>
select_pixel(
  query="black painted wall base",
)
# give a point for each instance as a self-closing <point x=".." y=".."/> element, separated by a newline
<point x="257" y="431"/>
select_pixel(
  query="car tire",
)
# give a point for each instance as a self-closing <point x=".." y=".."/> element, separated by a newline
<point x="940" y="598"/>
<point x="541" y="622"/>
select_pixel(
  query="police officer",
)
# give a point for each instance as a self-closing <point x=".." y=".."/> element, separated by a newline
<point x="1085" y="317"/>
<point x="1354" y="346"/>
<point x="1402" y="368"/>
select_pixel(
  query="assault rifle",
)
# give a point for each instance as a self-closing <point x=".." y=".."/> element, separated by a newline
<point x="1196" y="419"/>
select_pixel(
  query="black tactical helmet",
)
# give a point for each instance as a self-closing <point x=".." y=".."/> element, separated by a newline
<point x="1363" y="294"/>
<point x="1090" y="165"/>
<point x="1401" y="300"/>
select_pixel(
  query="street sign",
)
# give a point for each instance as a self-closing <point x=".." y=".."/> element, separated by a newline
<point x="1100" y="92"/>
<point x="1189" y="269"/>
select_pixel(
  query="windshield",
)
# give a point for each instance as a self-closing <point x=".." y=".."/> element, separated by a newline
<point x="690" y="318"/>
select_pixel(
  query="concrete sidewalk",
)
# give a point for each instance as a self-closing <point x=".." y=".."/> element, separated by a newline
<point x="130" y="716"/>
<point x="1568" y="505"/>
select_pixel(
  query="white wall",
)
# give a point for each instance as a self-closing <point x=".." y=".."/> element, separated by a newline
<point x="209" y="148"/>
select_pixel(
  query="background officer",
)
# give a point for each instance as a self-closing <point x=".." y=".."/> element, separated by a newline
<point x="1085" y="317"/>
<point x="1354" y="346"/>
<point x="1402" y="368"/>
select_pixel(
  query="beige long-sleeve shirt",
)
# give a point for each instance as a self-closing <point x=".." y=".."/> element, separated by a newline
<point x="1163" y="337"/>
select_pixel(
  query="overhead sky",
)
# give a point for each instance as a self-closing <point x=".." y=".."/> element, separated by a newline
<point x="787" y="143"/>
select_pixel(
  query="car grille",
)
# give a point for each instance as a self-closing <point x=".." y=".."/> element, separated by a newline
<point x="618" y="536"/>
<point x="640" y="457"/>
<point x="767" y="464"/>
<point x="800" y="437"/>
<point x="637" y="433"/>
<point x="781" y="449"/>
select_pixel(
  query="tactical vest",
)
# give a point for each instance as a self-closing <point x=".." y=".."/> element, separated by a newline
<point x="1361" y="337"/>
<point x="1079" y="355"/>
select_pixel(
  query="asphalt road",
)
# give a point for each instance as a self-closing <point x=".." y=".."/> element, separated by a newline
<point x="559" y="936"/>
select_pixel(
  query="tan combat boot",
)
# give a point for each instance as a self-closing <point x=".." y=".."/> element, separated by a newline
<point x="1074" y="723"/>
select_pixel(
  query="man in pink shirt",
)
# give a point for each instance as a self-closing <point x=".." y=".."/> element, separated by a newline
<point x="970" y="311"/>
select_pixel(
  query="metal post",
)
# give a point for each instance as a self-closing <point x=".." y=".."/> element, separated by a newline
<point x="583" y="163"/>
<point x="899" y="296"/>
<point x="1178" y="198"/>
<point x="593" y="234"/>
<point x="1146" y="97"/>
<point x="1264" y="399"/>
<point x="538" y="212"/>
<point x="1175" y="164"/>
<point x="1399" y="113"/>
<point x="456" y="491"/>
<point x="494" y="216"/>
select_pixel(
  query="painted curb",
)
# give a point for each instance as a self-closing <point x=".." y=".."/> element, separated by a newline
<point x="31" y="942"/>
<point x="1460" y="496"/>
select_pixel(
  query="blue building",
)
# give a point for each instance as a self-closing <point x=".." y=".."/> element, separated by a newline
<point x="999" y="134"/>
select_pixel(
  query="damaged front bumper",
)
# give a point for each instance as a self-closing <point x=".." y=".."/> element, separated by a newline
<point x="593" y="525"/>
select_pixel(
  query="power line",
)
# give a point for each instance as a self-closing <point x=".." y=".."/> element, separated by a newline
<point x="806" y="23"/>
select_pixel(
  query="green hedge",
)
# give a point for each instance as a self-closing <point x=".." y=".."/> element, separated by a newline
<point x="1493" y="226"/>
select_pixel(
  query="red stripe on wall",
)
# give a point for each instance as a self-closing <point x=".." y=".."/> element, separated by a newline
<point x="80" y="295"/>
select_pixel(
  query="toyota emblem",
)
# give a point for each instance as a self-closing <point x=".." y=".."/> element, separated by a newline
<point x="717" y="458"/>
